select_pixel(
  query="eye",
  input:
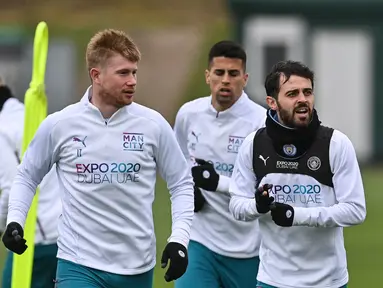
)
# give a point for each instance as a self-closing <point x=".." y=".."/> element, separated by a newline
<point x="219" y="72"/>
<point x="292" y="93"/>
<point x="234" y="73"/>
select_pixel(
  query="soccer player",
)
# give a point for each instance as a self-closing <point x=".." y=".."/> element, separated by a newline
<point x="309" y="187"/>
<point x="49" y="205"/>
<point x="107" y="150"/>
<point x="223" y="252"/>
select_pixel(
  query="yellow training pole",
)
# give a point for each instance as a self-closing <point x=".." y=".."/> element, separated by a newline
<point x="35" y="102"/>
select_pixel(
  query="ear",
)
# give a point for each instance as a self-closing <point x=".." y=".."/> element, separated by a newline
<point x="207" y="76"/>
<point x="272" y="103"/>
<point x="95" y="75"/>
<point x="245" y="78"/>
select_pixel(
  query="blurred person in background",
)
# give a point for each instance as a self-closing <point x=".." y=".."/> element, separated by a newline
<point x="49" y="204"/>
<point x="223" y="252"/>
<point x="107" y="151"/>
<point x="309" y="187"/>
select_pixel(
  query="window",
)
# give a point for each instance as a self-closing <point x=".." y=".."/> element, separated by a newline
<point x="273" y="53"/>
<point x="268" y="40"/>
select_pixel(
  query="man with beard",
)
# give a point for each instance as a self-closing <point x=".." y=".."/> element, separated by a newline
<point x="107" y="150"/>
<point x="223" y="252"/>
<point x="308" y="184"/>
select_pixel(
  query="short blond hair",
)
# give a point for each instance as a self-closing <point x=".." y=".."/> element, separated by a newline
<point x="108" y="42"/>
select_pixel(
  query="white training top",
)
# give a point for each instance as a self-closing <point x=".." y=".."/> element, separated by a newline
<point x="106" y="175"/>
<point x="204" y="133"/>
<point x="49" y="204"/>
<point x="311" y="253"/>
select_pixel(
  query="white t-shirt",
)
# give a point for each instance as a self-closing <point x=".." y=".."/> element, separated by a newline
<point x="106" y="176"/>
<point x="311" y="253"/>
<point x="204" y="133"/>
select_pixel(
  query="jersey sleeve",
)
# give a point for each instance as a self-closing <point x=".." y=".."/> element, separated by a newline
<point x="37" y="161"/>
<point x="350" y="208"/>
<point x="243" y="183"/>
<point x="8" y="170"/>
<point x="174" y="169"/>
<point x="180" y="131"/>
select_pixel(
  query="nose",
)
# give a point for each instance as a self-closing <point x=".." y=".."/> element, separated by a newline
<point x="226" y="78"/>
<point x="301" y="97"/>
<point x="132" y="80"/>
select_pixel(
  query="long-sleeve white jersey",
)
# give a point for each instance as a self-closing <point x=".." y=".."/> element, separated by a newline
<point x="203" y="133"/>
<point x="106" y="175"/>
<point x="49" y="204"/>
<point x="311" y="253"/>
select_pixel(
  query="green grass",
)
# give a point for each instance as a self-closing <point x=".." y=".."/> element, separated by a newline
<point x="364" y="242"/>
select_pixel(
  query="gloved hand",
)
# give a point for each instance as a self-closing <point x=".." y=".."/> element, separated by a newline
<point x="178" y="256"/>
<point x="205" y="176"/>
<point x="13" y="238"/>
<point x="282" y="214"/>
<point x="263" y="199"/>
<point x="199" y="199"/>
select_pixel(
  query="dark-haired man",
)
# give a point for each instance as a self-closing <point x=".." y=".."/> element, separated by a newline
<point x="309" y="187"/>
<point x="223" y="252"/>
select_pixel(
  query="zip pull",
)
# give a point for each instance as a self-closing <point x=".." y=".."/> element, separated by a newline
<point x="216" y="116"/>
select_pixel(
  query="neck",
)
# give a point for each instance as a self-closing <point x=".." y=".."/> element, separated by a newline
<point x="107" y="110"/>
<point x="220" y="107"/>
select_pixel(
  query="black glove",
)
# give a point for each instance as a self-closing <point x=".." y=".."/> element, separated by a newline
<point x="205" y="176"/>
<point x="178" y="256"/>
<point x="263" y="199"/>
<point x="282" y="214"/>
<point x="13" y="238"/>
<point x="199" y="199"/>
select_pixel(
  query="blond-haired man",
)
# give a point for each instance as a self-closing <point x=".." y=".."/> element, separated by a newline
<point x="107" y="150"/>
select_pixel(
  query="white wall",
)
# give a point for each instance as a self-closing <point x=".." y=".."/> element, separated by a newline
<point x="342" y="61"/>
<point x="261" y="31"/>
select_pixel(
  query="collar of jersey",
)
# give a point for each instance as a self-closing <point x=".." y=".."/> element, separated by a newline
<point x="86" y="101"/>
<point x="237" y="106"/>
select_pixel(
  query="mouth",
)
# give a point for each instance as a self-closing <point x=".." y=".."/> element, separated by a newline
<point x="302" y="111"/>
<point x="225" y="91"/>
<point x="128" y="93"/>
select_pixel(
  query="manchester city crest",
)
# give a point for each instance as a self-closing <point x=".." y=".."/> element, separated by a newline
<point x="314" y="163"/>
<point x="290" y="150"/>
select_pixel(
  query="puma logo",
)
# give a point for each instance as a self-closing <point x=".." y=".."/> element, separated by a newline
<point x="196" y="135"/>
<point x="76" y="139"/>
<point x="263" y="159"/>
